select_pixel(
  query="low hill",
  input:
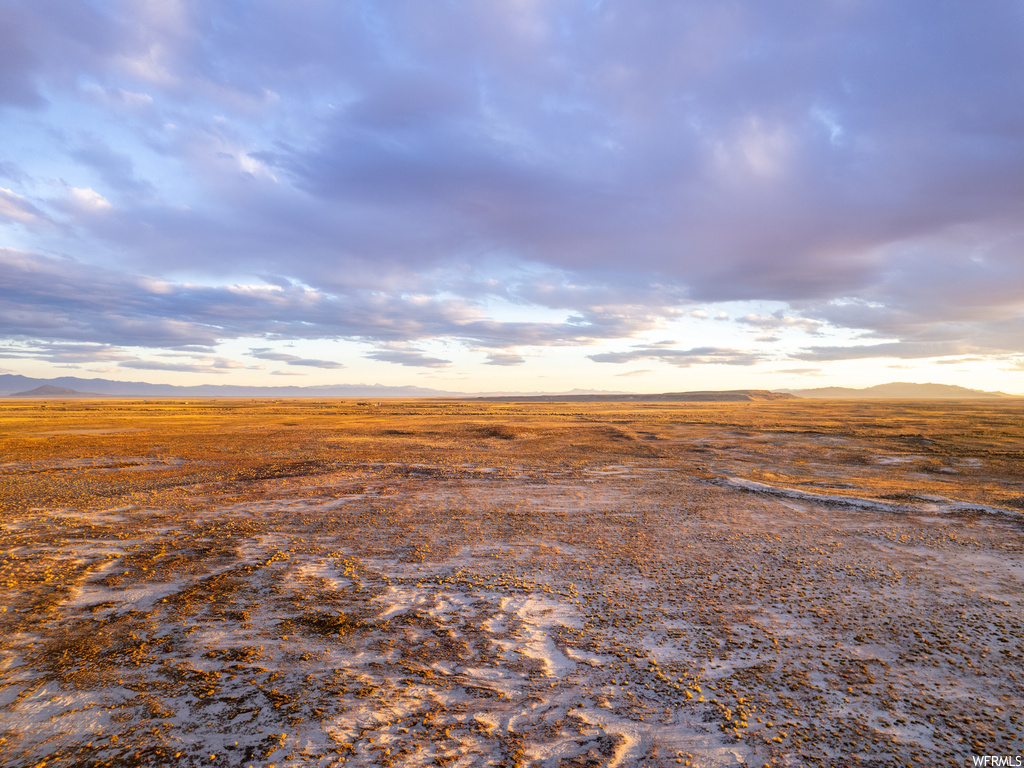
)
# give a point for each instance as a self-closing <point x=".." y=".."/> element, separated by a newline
<point x="47" y="390"/>
<point x="901" y="390"/>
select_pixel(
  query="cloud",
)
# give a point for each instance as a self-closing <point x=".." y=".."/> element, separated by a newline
<point x="117" y="98"/>
<point x="62" y="299"/>
<point x="802" y="371"/>
<point x="116" y="169"/>
<point x="20" y="59"/>
<point x="266" y="354"/>
<point x="68" y="353"/>
<point x="779" y="320"/>
<point x="898" y="349"/>
<point x="497" y="171"/>
<point x="408" y="356"/>
<point x="395" y="168"/>
<point x="12" y="171"/>
<point x="960" y="360"/>
<point x="88" y="199"/>
<point x="65" y="355"/>
<point x="203" y="365"/>
<point x="49" y="299"/>
<point x="162" y="365"/>
<point x="681" y="358"/>
<point x="15" y="208"/>
<point x="504" y="358"/>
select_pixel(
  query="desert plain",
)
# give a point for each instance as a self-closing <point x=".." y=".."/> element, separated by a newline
<point x="464" y="583"/>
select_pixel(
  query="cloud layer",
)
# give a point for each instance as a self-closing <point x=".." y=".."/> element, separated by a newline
<point x="177" y="174"/>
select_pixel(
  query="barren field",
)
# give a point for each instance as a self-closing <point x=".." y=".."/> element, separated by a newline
<point x="291" y="583"/>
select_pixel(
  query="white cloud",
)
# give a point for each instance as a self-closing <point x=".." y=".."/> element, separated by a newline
<point x="14" y="207"/>
<point x="89" y="199"/>
<point x="779" y="320"/>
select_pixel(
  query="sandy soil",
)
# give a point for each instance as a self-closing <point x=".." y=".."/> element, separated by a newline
<point x="459" y="584"/>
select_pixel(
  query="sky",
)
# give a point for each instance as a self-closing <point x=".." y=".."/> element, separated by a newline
<point x="513" y="195"/>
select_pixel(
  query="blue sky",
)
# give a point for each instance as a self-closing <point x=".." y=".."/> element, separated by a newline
<point x="516" y="195"/>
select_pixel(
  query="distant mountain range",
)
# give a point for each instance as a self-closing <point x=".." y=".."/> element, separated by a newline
<point x="64" y="388"/>
<point x="901" y="390"/>
<point x="13" y="385"/>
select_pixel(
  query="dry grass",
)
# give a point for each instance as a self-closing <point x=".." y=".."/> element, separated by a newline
<point x="450" y="582"/>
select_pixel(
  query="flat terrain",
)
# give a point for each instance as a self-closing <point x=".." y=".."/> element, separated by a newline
<point x="234" y="582"/>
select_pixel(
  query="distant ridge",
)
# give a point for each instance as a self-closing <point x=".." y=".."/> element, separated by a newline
<point x="901" y="390"/>
<point x="14" y="385"/>
<point x="47" y="390"/>
<point x="726" y="396"/>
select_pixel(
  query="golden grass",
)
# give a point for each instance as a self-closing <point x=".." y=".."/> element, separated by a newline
<point x="323" y="582"/>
